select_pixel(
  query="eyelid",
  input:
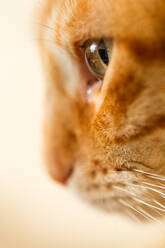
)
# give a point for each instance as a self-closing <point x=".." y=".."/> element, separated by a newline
<point x="81" y="44"/>
<point x="86" y="43"/>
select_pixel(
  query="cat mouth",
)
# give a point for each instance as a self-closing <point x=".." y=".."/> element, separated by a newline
<point x="134" y="193"/>
<point x="136" y="208"/>
<point x="117" y="203"/>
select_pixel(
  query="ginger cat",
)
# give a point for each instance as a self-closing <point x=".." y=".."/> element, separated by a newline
<point x="104" y="123"/>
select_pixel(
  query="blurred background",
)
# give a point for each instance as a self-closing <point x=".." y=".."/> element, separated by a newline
<point x="34" y="211"/>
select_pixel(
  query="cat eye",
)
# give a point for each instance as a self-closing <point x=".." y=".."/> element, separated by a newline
<point x="98" y="54"/>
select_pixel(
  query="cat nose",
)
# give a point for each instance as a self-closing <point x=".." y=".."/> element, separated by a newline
<point x="61" y="175"/>
<point x="65" y="178"/>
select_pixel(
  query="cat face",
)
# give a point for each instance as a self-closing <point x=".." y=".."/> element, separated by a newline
<point x="104" y="124"/>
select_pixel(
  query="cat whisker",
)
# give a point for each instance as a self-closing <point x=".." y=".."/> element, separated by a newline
<point x="46" y="26"/>
<point x="154" y="185"/>
<point x="160" y="184"/>
<point x="132" y="215"/>
<point x="157" y="178"/>
<point x="148" y="204"/>
<point x="147" y="173"/>
<point x="124" y="190"/>
<point x="158" y="203"/>
<point x="162" y="215"/>
<point x="155" y="190"/>
<point x="141" y="211"/>
<point x="147" y="214"/>
<point x="151" y="175"/>
<point x="126" y="204"/>
<point x="148" y="188"/>
<point x="155" y="201"/>
<point x="161" y="208"/>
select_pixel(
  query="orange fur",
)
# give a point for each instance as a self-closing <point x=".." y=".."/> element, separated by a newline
<point x="123" y="128"/>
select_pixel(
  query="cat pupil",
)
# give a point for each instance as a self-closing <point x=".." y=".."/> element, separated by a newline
<point x="103" y="52"/>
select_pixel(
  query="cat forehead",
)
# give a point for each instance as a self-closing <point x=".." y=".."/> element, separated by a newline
<point x="80" y="19"/>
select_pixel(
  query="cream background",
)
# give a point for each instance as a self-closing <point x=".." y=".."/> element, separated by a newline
<point x="35" y="212"/>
